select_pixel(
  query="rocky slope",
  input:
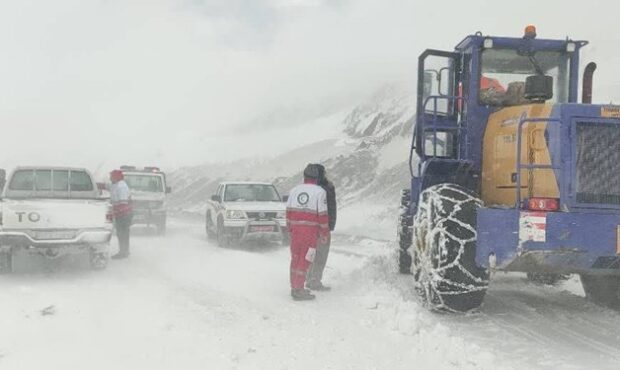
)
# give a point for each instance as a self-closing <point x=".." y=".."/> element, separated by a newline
<point x="368" y="163"/>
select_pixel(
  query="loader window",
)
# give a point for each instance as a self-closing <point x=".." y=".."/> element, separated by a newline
<point x="503" y="74"/>
<point x="438" y="85"/>
<point x="441" y="145"/>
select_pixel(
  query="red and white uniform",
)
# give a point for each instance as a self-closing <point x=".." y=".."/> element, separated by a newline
<point x="120" y="197"/>
<point x="307" y="221"/>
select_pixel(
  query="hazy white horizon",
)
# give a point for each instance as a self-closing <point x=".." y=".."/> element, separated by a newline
<point x="173" y="83"/>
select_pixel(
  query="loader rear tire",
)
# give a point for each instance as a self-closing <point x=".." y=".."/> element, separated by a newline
<point x="546" y="278"/>
<point x="603" y="290"/>
<point x="447" y="276"/>
<point x="405" y="239"/>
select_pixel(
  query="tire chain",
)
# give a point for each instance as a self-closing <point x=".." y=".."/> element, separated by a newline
<point x="430" y="270"/>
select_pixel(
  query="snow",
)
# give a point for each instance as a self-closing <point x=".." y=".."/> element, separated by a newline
<point x="394" y="152"/>
<point x="370" y="219"/>
<point x="181" y="302"/>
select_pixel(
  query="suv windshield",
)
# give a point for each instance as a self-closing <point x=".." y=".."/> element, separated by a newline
<point x="251" y="193"/>
<point x="150" y="183"/>
<point x="502" y="82"/>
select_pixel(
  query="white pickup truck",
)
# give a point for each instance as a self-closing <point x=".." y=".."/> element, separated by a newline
<point x="241" y="211"/>
<point x="53" y="211"/>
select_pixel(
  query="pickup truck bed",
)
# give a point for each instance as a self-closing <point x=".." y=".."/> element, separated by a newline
<point x="72" y="218"/>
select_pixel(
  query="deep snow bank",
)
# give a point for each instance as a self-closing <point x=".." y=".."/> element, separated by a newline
<point x="389" y="298"/>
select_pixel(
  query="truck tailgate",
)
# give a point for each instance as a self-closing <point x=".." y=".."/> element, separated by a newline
<point x="57" y="214"/>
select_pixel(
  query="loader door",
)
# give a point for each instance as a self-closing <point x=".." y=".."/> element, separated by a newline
<point x="440" y="105"/>
<point x="439" y="121"/>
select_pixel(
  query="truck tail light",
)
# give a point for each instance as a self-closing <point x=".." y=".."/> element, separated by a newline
<point x="109" y="217"/>
<point x="543" y="204"/>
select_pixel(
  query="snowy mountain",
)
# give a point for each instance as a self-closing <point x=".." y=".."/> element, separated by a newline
<point x="367" y="162"/>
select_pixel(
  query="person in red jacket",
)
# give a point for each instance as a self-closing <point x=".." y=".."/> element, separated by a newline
<point x="491" y="91"/>
<point x="308" y="224"/>
<point x="122" y="212"/>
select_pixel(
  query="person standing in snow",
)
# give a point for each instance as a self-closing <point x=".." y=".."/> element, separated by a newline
<point x="315" y="275"/>
<point x="307" y="222"/>
<point x="122" y="212"/>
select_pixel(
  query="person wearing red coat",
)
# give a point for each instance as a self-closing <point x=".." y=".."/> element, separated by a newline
<point x="122" y="212"/>
<point x="308" y="224"/>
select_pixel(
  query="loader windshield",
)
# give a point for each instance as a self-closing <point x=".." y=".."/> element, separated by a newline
<point x="502" y="81"/>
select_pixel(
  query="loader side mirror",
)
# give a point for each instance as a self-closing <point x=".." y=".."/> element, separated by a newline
<point x="216" y="198"/>
<point x="539" y="88"/>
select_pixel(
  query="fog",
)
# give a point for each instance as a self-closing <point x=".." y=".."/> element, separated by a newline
<point x="181" y="82"/>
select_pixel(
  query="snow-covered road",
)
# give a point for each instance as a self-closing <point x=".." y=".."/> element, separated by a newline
<point x="181" y="302"/>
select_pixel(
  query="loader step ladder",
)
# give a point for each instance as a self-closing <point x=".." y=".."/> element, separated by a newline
<point x="530" y="166"/>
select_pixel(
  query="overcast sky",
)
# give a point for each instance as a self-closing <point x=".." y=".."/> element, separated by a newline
<point x="181" y="82"/>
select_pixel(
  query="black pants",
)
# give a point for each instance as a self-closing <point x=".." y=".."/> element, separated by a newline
<point x="122" y="225"/>
<point x="315" y="274"/>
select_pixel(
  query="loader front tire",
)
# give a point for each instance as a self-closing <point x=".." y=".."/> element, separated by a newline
<point x="444" y="233"/>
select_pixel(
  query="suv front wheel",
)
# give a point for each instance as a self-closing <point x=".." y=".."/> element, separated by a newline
<point x="223" y="238"/>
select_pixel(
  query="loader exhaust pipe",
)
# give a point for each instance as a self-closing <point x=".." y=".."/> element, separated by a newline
<point x="586" y="91"/>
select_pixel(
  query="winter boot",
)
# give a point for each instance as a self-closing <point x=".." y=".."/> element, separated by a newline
<point x="301" y="295"/>
<point x="120" y="255"/>
<point x="317" y="286"/>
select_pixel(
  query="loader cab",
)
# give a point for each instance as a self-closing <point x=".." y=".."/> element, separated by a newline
<point x="458" y="90"/>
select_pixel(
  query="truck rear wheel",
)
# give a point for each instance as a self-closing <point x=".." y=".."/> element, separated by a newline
<point x="98" y="260"/>
<point x="286" y="238"/>
<point x="161" y="228"/>
<point x="405" y="239"/>
<point x="6" y="262"/>
<point x="602" y="289"/>
<point x="445" y="269"/>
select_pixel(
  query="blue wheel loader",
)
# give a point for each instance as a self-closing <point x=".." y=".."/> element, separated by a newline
<point x="510" y="172"/>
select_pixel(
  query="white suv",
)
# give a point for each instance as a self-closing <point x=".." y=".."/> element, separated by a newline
<point x="246" y="210"/>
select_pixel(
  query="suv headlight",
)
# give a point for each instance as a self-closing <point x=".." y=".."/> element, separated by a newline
<point x="281" y="214"/>
<point x="235" y="214"/>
